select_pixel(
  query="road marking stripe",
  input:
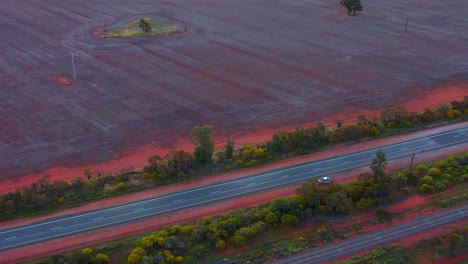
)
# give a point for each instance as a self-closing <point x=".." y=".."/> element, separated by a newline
<point x="216" y="192"/>
<point x="55" y="228"/>
<point x="346" y="162"/>
<point x="176" y="201"/>
<point x="316" y="169"/>
<point x="139" y="209"/>
<point x="395" y="145"/>
<point x="284" y="176"/>
<point x="10" y="238"/>
<point x="251" y="184"/>
<point x="99" y="218"/>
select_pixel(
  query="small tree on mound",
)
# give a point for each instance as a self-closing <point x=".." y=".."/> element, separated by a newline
<point x="352" y="6"/>
<point x="144" y="26"/>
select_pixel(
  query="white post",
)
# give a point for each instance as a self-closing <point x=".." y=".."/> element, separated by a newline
<point x="73" y="65"/>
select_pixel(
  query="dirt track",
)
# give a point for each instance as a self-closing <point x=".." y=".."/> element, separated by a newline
<point x="245" y="67"/>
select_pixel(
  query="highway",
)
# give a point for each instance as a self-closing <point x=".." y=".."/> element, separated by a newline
<point x="68" y="225"/>
<point x="376" y="238"/>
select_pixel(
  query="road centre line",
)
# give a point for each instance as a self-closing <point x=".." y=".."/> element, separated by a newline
<point x="136" y="217"/>
<point x="55" y="228"/>
<point x="10" y="238"/>
<point x="132" y="218"/>
<point x="229" y="182"/>
<point x="139" y="209"/>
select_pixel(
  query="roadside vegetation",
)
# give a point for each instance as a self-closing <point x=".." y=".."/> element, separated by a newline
<point x="142" y="27"/>
<point x="437" y="248"/>
<point x="45" y="196"/>
<point x="205" y="240"/>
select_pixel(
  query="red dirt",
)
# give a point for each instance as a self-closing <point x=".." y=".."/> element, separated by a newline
<point x="248" y="77"/>
<point x="411" y="202"/>
<point x="113" y="233"/>
<point x="337" y="150"/>
<point x="409" y="240"/>
<point x="141" y="154"/>
<point x="108" y="234"/>
<point x="62" y="80"/>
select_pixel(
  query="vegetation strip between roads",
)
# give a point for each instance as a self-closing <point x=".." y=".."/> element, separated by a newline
<point x="377" y="238"/>
<point x="160" y="205"/>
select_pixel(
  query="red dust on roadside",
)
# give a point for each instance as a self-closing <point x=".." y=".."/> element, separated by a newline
<point x="112" y="233"/>
<point x="412" y="239"/>
<point x="136" y="157"/>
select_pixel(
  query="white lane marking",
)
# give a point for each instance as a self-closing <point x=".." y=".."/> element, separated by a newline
<point x="316" y="169"/>
<point x="55" y="228"/>
<point x="339" y="249"/>
<point x="284" y="176"/>
<point x="99" y="218"/>
<point x="404" y="148"/>
<point x="177" y="201"/>
<point x="429" y="137"/>
<point x="140" y="217"/>
<point x="139" y="209"/>
<point x="457" y="135"/>
<point x="216" y="192"/>
<point x="251" y="184"/>
<point x="346" y="162"/>
<point x="10" y="238"/>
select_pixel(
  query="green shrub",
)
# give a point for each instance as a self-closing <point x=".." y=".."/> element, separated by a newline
<point x="426" y="188"/>
<point x="220" y="244"/>
<point x="383" y="215"/>
<point x="87" y="251"/>
<point x="102" y="257"/>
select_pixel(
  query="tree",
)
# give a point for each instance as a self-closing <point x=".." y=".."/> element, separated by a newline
<point x="78" y="186"/>
<point x="204" y="144"/>
<point x="382" y="214"/>
<point x="378" y="165"/>
<point x="338" y="203"/>
<point x="144" y="26"/>
<point x="229" y="149"/>
<point x="455" y="244"/>
<point x="352" y="6"/>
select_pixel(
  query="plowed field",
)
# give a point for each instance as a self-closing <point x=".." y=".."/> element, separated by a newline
<point x="244" y="66"/>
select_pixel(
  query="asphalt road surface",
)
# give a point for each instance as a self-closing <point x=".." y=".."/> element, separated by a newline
<point x="377" y="238"/>
<point x="68" y="225"/>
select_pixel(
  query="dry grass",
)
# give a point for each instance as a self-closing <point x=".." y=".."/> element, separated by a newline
<point x="132" y="29"/>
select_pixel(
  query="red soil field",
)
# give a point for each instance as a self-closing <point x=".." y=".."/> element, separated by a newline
<point x="247" y="68"/>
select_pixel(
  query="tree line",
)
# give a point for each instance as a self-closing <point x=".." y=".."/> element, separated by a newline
<point x="191" y="242"/>
<point x="176" y="166"/>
